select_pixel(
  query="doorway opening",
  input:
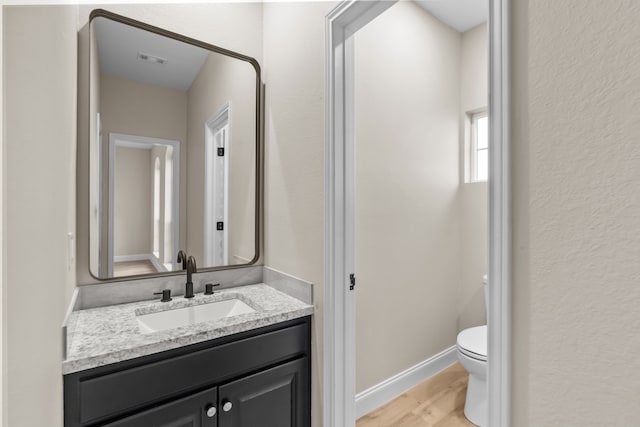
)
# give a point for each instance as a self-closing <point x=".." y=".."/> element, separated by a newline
<point x="339" y="310"/>
<point x="143" y="199"/>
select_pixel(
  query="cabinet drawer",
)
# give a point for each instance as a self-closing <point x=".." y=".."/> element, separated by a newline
<point x="110" y="394"/>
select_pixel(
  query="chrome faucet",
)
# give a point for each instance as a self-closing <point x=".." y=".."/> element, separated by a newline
<point x="191" y="268"/>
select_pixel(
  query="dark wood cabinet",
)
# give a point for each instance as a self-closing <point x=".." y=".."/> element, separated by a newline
<point x="260" y="378"/>
<point x="192" y="411"/>
<point x="272" y="398"/>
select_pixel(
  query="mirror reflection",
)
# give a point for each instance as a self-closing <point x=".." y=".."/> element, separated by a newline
<point x="173" y="152"/>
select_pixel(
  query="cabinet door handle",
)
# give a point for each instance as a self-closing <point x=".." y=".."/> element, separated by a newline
<point x="226" y="406"/>
<point x="211" y="411"/>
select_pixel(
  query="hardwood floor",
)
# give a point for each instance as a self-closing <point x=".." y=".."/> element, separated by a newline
<point x="437" y="402"/>
<point x="132" y="268"/>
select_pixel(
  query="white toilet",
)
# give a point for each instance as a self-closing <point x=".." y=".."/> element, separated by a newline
<point x="472" y="354"/>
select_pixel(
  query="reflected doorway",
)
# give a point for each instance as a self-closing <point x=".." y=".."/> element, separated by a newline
<point x="143" y="214"/>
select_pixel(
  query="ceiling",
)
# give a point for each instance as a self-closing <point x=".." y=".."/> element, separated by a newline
<point x="461" y="15"/>
<point x="119" y="46"/>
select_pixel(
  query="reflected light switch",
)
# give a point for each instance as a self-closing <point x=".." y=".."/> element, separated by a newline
<point x="71" y="250"/>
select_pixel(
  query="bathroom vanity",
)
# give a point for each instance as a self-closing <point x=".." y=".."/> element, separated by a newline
<point x="250" y="369"/>
<point x="238" y="357"/>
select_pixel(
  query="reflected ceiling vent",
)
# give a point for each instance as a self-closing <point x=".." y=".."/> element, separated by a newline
<point x="151" y="58"/>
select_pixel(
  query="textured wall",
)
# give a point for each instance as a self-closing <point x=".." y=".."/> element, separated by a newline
<point x="3" y="249"/>
<point x="577" y="212"/>
<point x="407" y="214"/>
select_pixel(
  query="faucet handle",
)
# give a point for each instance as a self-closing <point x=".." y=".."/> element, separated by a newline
<point x="208" y="288"/>
<point x="166" y="295"/>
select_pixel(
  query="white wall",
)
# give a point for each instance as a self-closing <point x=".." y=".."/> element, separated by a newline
<point x="294" y="194"/>
<point x="40" y="100"/>
<point x="407" y="216"/>
<point x="473" y="196"/>
<point x="577" y="212"/>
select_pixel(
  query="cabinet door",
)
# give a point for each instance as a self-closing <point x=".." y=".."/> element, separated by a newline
<point x="196" y="410"/>
<point x="277" y="397"/>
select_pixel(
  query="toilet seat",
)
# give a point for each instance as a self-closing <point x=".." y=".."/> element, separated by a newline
<point x="472" y="343"/>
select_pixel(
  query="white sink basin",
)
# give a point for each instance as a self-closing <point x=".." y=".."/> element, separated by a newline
<point x="171" y="319"/>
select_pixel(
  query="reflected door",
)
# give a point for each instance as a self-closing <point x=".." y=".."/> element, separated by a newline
<point x="216" y="225"/>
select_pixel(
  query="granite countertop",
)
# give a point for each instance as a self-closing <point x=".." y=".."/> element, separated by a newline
<point x="110" y="334"/>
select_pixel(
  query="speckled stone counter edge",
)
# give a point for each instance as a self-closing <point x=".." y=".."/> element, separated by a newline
<point x="109" y="334"/>
<point x="290" y="285"/>
<point x="111" y="293"/>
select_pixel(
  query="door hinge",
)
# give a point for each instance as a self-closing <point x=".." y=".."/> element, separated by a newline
<point x="220" y="151"/>
<point x="219" y="225"/>
<point x="352" y="281"/>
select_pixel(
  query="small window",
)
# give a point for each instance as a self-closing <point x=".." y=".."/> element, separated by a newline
<point x="479" y="155"/>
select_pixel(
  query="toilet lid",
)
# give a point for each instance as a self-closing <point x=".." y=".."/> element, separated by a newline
<point x="473" y="342"/>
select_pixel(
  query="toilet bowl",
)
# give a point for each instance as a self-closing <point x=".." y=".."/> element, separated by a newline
<point x="472" y="353"/>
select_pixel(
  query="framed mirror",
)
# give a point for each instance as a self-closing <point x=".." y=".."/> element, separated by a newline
<point x="174" y="151"/>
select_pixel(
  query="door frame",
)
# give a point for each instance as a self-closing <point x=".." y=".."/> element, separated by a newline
<point x="146" y="143"/>
<point x="339" y="302"/>
<point x="220" y="119"/>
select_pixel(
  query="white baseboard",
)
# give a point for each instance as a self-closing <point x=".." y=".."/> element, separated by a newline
<point x="157" y="264"/>
<point x="237" y="259"/>
<point x="389" y="389"/>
